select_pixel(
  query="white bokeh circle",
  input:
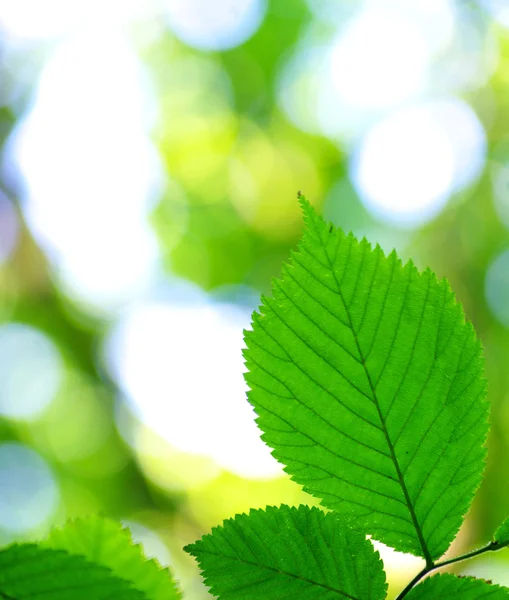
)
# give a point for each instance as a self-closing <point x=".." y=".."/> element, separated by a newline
<point x="380" y="59"/>
<point x="90" y="169"/>
<point x="408" y="164"/>
<point x="218" y="25"/>
<point x="29" y="491"/>
<point x="31" y="371"/>
<point x="181" y="367"/>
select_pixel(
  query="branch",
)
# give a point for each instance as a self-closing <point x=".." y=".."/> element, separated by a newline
<point x="491" y="547"/>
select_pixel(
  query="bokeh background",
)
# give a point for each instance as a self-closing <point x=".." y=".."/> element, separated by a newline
<point x="150" y="156"/>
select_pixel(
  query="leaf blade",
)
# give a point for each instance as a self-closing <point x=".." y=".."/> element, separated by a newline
<point x="451" y="587"/>
<point x="105" y="542"/>
<point x="30" y="570"/>
<point x="349" y="365"/>
<point x="289" y="552"/>
<point x="501" y="534"/>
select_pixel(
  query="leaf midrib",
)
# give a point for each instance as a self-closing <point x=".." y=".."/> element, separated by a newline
<point x="401" y="479"/>
<point x="280" y="571"/>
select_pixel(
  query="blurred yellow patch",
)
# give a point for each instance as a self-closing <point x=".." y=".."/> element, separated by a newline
<point x="169" y="468"/>
<point x="266" y="172"/>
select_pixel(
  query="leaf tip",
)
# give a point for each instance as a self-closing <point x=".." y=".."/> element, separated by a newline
<point x="306" y="206"/>
<point x="192" y="549"/>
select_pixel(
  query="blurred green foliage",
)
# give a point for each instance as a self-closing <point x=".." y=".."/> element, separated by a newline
<point x="227" y="215"/>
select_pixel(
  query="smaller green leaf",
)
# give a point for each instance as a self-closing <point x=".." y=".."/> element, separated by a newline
<point x="28" y="571"/>
<point x="289" y="553"/>
<point x="452" y="587"/>
<point x="502" y="533"/>
<point x="107" y="543"/>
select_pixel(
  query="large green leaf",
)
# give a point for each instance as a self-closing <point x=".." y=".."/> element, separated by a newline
<point x="282" y="553"/>
<point x="368" y="385"/>
<point x="107" y="543"/>
<point x="29" y="571"/>
<point x="451" y="587"/>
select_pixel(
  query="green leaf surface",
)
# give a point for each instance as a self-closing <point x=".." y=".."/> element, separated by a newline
<point x="368" y="384"/>
<point x="451" y="587"/>
<point x="502" y="532"/>
<point x="30" y="571"/>
<point x="284" y="552"/>
<point x="107" y="543"/>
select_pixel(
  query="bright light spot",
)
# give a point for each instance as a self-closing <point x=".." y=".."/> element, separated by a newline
<point x="436" y="19"/>
<point x="30" y="371"/>
<point x="152" y="544"/>
<point x="9" y="228"/>
<point x="496" y="287"/>
<point x="29" y="492"/>
<point x="90" y="170"/>
<point x="34" y="20"/>
<point x="398" y="564"/>
<point x="218" y="25"/>
<point x="30" y="19"/>
<point x="408" y="164"/>
<point x="381" y="59"/>
<point x="378" y="59"/>
<point x="465" y="135"/>
<point x="499" y="10"/>
<point x="403" y="169"/>
<point x="307" y="95"/>
<point x="181" y="366"/>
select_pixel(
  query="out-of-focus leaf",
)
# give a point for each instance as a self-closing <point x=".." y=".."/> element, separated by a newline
<point x="31" y="571"/>
<point x="107" y="543"/>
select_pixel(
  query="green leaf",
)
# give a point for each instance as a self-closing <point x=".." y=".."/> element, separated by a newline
<point x="105" y="542"/>
<point x="367" y="382"/>
<point x="29" y="571"/>
<point x="289" y="553"/>
<point x="502" y="533"/>
<point x="451" y="587"/>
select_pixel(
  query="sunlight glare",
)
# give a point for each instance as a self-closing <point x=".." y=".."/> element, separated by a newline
<point x="218" y="25"/>
<point x="89" y="168"/>
<point x="409" y="163"/>
<point x="381" y="59"/>
<point x="181" y="366"/>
